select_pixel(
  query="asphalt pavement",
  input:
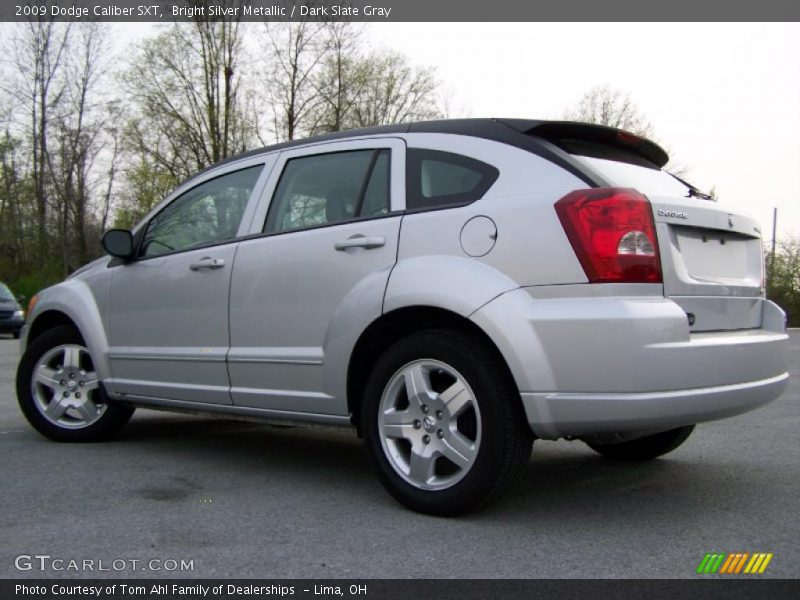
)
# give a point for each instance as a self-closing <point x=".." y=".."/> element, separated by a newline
<point x="238" y="499"/>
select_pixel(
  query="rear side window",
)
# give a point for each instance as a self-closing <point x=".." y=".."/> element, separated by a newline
<point x="323" y="189"/>
<point x="439" y="179"/>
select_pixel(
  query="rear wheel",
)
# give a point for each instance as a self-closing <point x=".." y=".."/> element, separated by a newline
<point x="443" y="422"/>
<point x="644" y="448"/>
<point x="59" y="391"/>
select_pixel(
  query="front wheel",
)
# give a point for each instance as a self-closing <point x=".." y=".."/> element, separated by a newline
<point x="443" y="423"/>
<point x="644" y="448"/>
<point x="59" y="391"/>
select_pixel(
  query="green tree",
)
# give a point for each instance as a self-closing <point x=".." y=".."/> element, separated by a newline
<point x="295" y="52"/>
<point x="606" y="105"/>
<point x="35" y="83"/>
<point x="16" y="214"/>
<point x="146" y="184"/>
<point x="393" y="91"/>
<point x="783" y="278"/>
<point x="186" y="110"/>
<point x="363" y="89"/>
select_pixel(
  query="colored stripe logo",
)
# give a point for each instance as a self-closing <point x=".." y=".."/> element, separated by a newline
<point x="734" y="563"/>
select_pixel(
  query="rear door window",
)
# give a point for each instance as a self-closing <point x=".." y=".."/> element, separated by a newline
<point x="439" y="179"/>
<point x="324" y="189"/>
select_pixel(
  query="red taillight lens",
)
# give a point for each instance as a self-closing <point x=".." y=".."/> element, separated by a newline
<point x="613" y="234"/>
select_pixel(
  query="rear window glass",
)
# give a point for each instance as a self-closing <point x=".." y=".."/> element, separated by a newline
<point x="595" y="150"/>
<point x="439" y="179"/>
<point x="644" y="179"/>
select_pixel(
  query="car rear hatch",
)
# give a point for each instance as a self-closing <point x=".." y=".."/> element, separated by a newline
<point x="711" y="262"/>
<point x="711" y="258"/>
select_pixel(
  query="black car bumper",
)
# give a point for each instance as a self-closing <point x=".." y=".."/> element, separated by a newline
<point x="11" y="325"/>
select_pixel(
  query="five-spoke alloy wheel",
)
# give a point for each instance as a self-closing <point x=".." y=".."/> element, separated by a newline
<point x="59" y="391"/>
<point x="443" y="421"/>
<point x="64" y="387"/>
<point x="430" y="424"/>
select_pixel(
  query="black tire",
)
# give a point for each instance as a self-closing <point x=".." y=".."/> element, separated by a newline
<point x="644" y="448"/>
<point x="15" y="334"/>
<point x="109" y="422"/>
<point x="506" y="437"/>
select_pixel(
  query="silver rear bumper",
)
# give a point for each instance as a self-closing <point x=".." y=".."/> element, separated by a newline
<point x="561" y="414"/>
<point x="588" y="365"/>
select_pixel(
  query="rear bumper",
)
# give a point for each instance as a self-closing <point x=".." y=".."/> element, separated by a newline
<point x="562" y="414"/>
<point x="605" y="364"/>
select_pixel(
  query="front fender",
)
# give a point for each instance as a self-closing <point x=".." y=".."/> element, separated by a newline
<point x="75" y="299"/>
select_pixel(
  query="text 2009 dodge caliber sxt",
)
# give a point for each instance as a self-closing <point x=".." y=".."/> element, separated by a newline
<point x="453" y="289"/>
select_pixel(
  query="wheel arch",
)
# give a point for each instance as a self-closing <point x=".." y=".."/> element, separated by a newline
<point x="49" y="319"/>
<point x="72" y="303"/>
<point x="394" y="325"/>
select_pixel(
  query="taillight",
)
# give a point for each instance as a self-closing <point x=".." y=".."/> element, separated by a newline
<point x="613" y="234"/>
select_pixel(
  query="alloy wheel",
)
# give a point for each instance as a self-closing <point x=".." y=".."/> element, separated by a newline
<point x="65" y="387"/>
<point x="429" y="424"/>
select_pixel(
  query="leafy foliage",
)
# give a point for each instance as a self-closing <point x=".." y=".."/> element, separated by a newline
<point x="605" y="105"/>
<point x="91" y="139"/>
<point x="783" y="278"/>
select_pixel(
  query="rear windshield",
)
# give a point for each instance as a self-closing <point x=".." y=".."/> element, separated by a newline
<point x="645" y="179"/>
<point x="595" y="150"/>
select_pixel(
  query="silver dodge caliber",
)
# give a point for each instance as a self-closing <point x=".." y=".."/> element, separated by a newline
<point x="453" y="289"/>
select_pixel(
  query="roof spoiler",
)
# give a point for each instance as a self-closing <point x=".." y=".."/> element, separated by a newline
<point x="565" y="134"/>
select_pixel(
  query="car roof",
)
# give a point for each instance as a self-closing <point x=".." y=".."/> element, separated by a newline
<point x="473" y="127"/>
<point x="534" y="135"/>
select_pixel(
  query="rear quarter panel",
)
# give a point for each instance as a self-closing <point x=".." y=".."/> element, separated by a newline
<point x="531" y="247"/>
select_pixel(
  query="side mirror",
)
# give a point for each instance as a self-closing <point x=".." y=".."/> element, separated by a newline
<point x="21" y="300"/>
<point x="119" y="243"/>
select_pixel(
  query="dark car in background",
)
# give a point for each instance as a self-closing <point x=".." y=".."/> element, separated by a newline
<point x="12" y="315"/>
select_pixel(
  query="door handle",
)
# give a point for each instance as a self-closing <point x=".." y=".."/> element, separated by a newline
<point x="361" y="241"/>
<point x="207" y="264"/>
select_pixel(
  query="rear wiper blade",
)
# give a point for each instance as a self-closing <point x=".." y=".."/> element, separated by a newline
<point x="693" y="191"/>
